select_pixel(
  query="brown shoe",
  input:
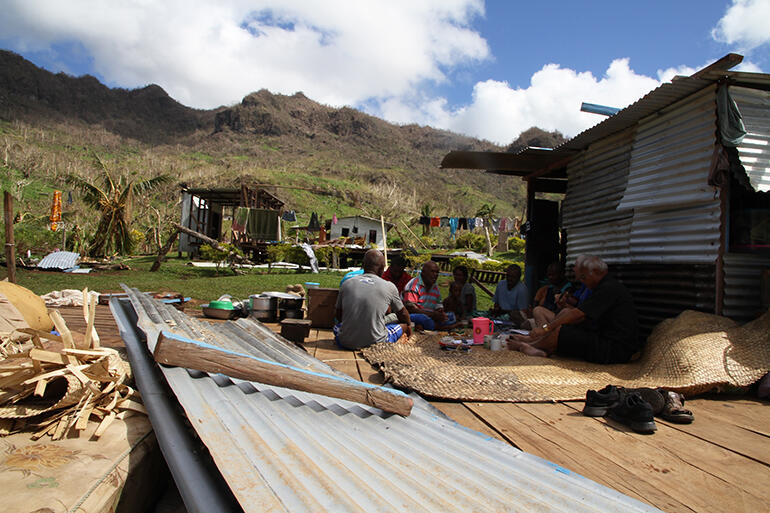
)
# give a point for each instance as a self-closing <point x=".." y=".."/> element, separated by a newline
<point x="673" y="408"/>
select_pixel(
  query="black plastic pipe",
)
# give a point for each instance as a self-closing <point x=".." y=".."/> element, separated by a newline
<point x="201" y="486"/>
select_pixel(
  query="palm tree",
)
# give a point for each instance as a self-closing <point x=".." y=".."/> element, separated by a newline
<point x="113" y="198"/>
<point x="485" y="212"/>
<point x="426" y="211"/>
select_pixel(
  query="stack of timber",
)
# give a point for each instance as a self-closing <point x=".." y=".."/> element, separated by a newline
<point x="56" y="384"/>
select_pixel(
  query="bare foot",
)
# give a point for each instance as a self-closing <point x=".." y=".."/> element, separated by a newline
<point x="524" y="347"/>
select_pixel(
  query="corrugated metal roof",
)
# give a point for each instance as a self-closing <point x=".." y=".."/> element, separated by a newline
<point x="59" y="260"/>
<point x="655" y="102"/>
<point x="285" y="450"/>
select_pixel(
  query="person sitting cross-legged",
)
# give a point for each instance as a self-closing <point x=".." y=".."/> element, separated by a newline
<point x="423" y="300"/>
<point x="601" y="329"/>
<point x="363" y="307"/>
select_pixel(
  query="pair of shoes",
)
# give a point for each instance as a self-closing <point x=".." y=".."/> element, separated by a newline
<point x="625" y="405"/>
<point x="598" y="403"/>
<point x="673" y="408"/>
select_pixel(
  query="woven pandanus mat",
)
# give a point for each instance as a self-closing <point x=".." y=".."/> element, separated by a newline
<point x="692" y="353"/>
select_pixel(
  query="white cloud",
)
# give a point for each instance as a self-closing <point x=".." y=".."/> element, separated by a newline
<point x="499" y="113"/>
<point x="206" y="54"/>
<point x="745" y="24"/>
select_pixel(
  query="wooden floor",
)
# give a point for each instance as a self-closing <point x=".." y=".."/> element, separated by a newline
<point x="721" y="462"/>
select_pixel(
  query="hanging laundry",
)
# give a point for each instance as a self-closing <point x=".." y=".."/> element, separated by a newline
<point x="313" y="225"/>
<point x="444" y="222"/>
<point x="424" y="220"/>
<point x="289" y="216"/>
<point x="503" y="226"/>
<point x="453" y="223"/>
<point x="494" y="223"/>
<point x="262" y="224"/>
<point x="462" y="223"/>
<point x="334" y="219"/>
<point x="471" y="223"/>
<point x="435" y="222"/>
<point x="479" y="222"/>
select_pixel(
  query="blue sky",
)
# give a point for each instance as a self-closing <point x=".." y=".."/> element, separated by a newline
<point x="487" y="69"/>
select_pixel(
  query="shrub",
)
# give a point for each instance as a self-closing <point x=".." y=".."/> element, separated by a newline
<point x="226" y="253"/>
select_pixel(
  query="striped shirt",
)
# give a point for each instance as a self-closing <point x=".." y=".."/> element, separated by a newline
<point x="427" y="299"/>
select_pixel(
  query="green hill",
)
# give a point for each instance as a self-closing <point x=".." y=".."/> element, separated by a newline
<point x="52" y="125"/>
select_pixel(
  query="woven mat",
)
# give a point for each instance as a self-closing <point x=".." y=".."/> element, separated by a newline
<point x="692" y="353"/>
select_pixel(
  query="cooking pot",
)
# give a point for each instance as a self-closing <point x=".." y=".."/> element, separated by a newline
<point x="291" y="303"/>
<point x="263" y="303"/>
<point x="291" y="314"/>
<point x="264" y="315"/>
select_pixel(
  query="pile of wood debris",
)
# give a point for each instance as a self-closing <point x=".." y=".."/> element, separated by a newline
<point x="56" y="384"/>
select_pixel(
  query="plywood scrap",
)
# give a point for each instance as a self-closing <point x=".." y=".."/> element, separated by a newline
<point x="57" y="385"/>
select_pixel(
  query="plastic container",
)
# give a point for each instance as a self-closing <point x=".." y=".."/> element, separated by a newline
<point x="311" y="285"/>
<point x="481" y="326"/>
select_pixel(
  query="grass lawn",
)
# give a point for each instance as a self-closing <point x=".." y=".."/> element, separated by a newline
<point x="201" y="284"/>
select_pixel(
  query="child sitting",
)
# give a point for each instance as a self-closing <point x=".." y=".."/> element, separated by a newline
<point x="454" y="301"/>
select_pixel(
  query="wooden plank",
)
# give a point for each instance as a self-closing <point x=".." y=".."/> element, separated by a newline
<point x="172" y="349"/>
<point x="725" y="431"/>
<point x="572" y="449"/>
<point x="461" y="414"/>
<point x="745" y="412"/>
<point x="342" y="360"/>
<point x="670" y="460"/>
<point x="61" y="327"/>
<point x="51" y="357"/>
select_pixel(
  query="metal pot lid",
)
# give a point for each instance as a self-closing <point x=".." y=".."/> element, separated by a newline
<point x="281" y="295"/>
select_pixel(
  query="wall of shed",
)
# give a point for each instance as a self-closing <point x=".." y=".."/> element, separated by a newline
<point x="754" y="151"/>
<point x="640" y="200"/>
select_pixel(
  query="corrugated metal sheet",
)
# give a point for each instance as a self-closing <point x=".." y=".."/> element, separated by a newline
<point x="608" y="240"/>
<point x="59" y="260"/>
<point x="754" y="151"/>
<point x="285" y="450"/>
<point x="663" y="291"/>
<point x="671" y="155"/>
<point x="742" y="287"/>
<point x="596" y="180"/>
<point x="686" y="235"/>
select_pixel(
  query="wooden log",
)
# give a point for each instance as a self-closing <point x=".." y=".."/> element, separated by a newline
<point x="10" y="243"/>
<point x="214" y="244"/>
<point x="164" y="250"/>
<point x="482" y="287"/>
<point x="172" y="349"/>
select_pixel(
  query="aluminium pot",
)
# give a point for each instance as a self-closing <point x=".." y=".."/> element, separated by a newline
<point x="291" y="303"/>
<point x="291" y="314"/>
<point x="259" y="302"/>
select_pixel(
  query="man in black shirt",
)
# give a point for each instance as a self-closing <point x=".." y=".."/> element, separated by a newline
<point x="603" y="329"/>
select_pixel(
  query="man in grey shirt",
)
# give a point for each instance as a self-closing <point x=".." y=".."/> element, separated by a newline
<point x="362" y="306"/>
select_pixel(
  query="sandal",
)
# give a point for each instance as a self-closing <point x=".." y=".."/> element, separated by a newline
<point x="673" y="410"/>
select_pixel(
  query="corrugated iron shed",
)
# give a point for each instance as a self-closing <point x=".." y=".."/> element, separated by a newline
<point x="285" y="450"/>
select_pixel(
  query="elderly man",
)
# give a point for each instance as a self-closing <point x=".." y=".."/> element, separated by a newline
<point x="363" y="304"/>
<point x="423" y="300"/>
<point x="511" y="296"/>
<point x="602" y="329"/>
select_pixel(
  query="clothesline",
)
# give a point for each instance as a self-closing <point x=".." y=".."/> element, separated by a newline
<point x="503" y="224"/>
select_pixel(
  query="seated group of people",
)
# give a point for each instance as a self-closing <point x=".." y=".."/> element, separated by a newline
<point x="596" y="322"/>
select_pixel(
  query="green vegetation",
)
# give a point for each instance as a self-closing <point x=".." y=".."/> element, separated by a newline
<point x="201" y="284"/>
